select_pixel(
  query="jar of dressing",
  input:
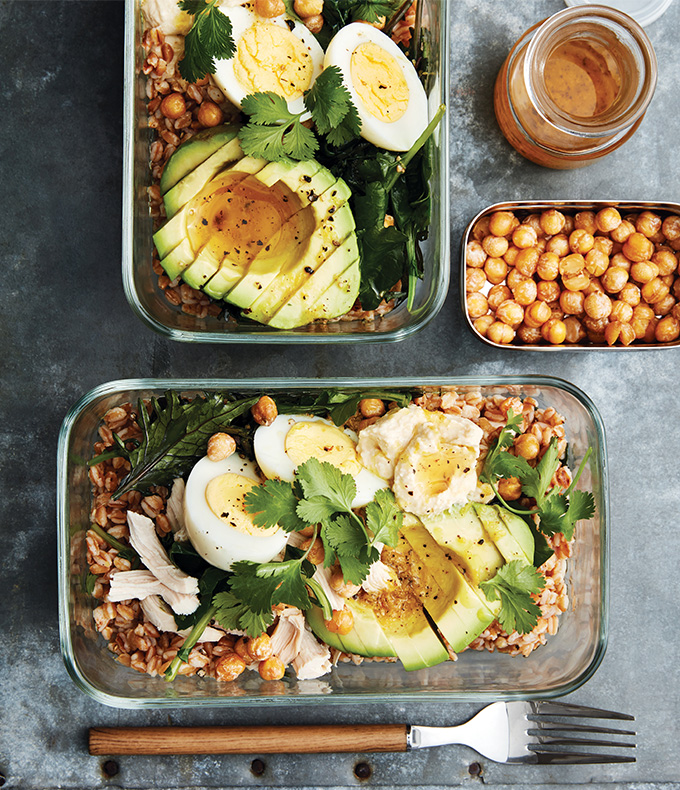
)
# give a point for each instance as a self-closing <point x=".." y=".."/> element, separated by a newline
<point x="576" y="86"/>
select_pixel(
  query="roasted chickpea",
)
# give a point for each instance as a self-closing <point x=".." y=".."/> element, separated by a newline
<point x="536" y="314"/>
<point x="579" y="282"/>
<point x="229" y="667"/>
<point x="220" y="446"/>
<point x="664" y="306"/>
<point x="607" y="219"/>
<point x="569" y="224"/>
<point x="676" y="288"/>
<point x="614" y="279"/>
<point x="511" y="255"/>
<point x="575" y="331"/>
<point x="620" y="261"/>
<point x="475" y="280"/>
<point x="675" y="312"/>
<point x="597" y="262"/>
<point x="501" y="333"/>
<point x="571" y="265"/>
<point x="271" y="8"/>
<point x="173" y="106"/>
<point x="666" y="261"/>
<point x="314" y="23"/>
<point x="622" y="232"/>
<point x="271" y="668"/>
<point x="650" y="332"/>
<point x="554" y="331"/>
<point x="525" y="292"/>
<point x="571" y="302"/>
<point x="260" y="647"/>
<point x="585" y="220"/>
<point x="264" y="411"/>
<point x="654" y="291"/>
<point x="622" y="312"/>
<point x="524" y="236"/>
<point x="547" y="291"/>
<point x="593" y="286"/>
<point x="581" y="241"/>
<point x="305" y="8"/>
<point x="497" y="294"/>
<point x="548" y="266"/>
<point x="639" y="326"/>
<point x="510" y="313"/>
<point x="552" y="222"/>
<point x="597" y="305"/>
<point x="527" y="446"/>
<point x="341" y="623"/>
<point x="209" y="114"/>
<point x="644" y="272"/>
<point x="374" y="407"/>
<point x="482" y="324"/>
<point x="638" y="248"/>
<point x="495" y="246"/>
<point x="496" y="270"/>
<point x="481" y="229"/>
<point x="630" y="293"/>
<point x="529" y="334"/>
<point x="316" y="553"/>
<point x="618" y="331"/>
<point x="475" y="257"/>
<point x="648" y="223"/>
<point x="643" y="311"/>
<point x="526" y="261"/>
<point x="603" y="244"/>
<point x="595" y="326"/>
<point x="501" y="223"/>
<point x="669" y="280"/>
<point x="559" y="245"/>
<point x="555" y="310"/>
<point x="510" y="488"/>
<point x="671" y="227"/>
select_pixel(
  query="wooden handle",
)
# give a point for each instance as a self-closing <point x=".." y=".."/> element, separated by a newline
<point x="248" y="740"/>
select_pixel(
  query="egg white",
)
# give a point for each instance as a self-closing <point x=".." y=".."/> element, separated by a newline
<point x="270" y="451"/>
<point x="243" y="18"/>
<point x="398" y="135"/>
<point x="218" y="543"/>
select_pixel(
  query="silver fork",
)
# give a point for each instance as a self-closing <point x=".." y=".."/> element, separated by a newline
<point x="529" y="732"/>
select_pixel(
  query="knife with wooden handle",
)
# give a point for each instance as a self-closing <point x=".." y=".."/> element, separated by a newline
<point x="249" y="740"/>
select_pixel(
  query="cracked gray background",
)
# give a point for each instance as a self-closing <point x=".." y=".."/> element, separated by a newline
<point x="66" y="327"/>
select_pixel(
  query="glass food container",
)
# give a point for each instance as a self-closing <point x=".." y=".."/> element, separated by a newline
<point x="140" y="281"/>
<point x="576" y="86"/>
<point x="567" y="660"/>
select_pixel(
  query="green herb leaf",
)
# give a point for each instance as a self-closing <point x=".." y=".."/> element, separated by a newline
<point x="267" y="109"/>
<point x="210" y="38"/>
<point x="545" y="469"/>
<point x="299" y="142"/>
<point x="512" y="585"/>
<point x="264" y="142"/>
<point x="323" y="480"/>
<point x="384" y="518"/>
<point x="235" y="615"/>
<point x="274" y="504"/>
<point x="561" y="512"/>
<point x="371" y="10"/>
<point x="332" y="108"/>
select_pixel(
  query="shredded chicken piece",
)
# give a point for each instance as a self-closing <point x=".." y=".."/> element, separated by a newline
<point x="127" y="585"/>
<point x="287" y="634"/>
<point x="314" y="659"/>
<point x="146" y="543"/>
<point x="323" y="577"/>
<point x="379" y="575"/>
<point x="174" y="510"/>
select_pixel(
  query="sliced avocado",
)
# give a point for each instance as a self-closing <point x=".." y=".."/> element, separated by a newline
<point x="306" y="304"/>
<point x="340" y="297"/>
<point x="295" y="175"/>
<point x="365" y="639"/>
<point x="205" y="264"/>
<point x="460" y="530"/>
<point x="178" y="259"/>
<point x="171" y="235"/>
<point x="229" y="273"/>
<point x="415" y="643"/>
<point x="331" y="231"/>
<point x="195" y="181"/>
<point x="520" y="530"/>
<point x="194" y="152"/>
<point x="497" y="530"/>
<point x="317" y="624"/>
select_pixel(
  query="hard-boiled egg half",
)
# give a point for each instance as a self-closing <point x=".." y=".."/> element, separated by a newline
<point x="217" y="523"/>
<point x="278" y="55"/>
<point x="384" y="85"/>
<point x="293" y="439"/>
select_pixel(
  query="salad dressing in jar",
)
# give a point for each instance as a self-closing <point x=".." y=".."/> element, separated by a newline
<point x="576" y="86"/>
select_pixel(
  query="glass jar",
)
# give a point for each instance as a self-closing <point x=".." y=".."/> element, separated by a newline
<point x="576" y="86"/>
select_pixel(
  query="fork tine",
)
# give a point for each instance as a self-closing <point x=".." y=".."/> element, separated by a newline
<point x="577" y="758"/>
<point x="563" y="741"/>
<point x="567" y="709"/>
<point x="554" y="726"/>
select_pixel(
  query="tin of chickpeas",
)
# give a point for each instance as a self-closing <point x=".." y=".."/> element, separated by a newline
<point x="574" y="275"/>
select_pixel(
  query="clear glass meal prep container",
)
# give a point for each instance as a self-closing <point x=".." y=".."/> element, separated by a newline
<point x="140" y="282"/>
<point x="525" y="207"/>
<point x="559" y="667"/>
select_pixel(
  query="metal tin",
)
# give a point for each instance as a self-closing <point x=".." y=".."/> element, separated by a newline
<point x="564" y="663"/>
<point x="140" y="282"/>
<point x="533" y="206"/>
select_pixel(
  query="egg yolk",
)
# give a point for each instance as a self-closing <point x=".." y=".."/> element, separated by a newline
<point x="378" y="79"/>
<point x="238" y="218"/>
<point x="434" y="472"/>
<point x="225" y="496"/>
<point x="270" y="58"/>
<point x="307" y="440"/>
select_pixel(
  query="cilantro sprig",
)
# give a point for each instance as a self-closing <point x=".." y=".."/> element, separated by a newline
<point x="513" y="585"/>
<point x="278" y="135"/>
<point x="210" y="38"/>
<point x="557" y="512"/>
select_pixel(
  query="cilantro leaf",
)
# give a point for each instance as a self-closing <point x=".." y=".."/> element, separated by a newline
<point x="321" y="479"/>
<point x="234" y="615"/>
<point x="316" y="510"/>
<point x="290" y="585"/>
<point x="331" y="106"/>
<point x="347" y="129"/>
<point x="267" y="108"/>
<point x="274" y="504"/>
<point x="299" y="142"/>
<point x="355" y="567"/>
<point x="210" y="37"/>
<point x="263" y="142"/>
<point x="561" y="512"/>
<point x="383" y="518"/>
<point x="513" y="585"/>
<point x="504" y="440"/>
<point x="537" y="486"/>
<point x="372" y="10"/>
<point x="345" y="535"/>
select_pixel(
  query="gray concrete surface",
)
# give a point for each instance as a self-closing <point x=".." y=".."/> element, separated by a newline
<point x="65" y="327"/>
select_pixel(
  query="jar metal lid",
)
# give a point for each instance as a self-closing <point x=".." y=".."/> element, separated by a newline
<point x="644" y="12"/>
